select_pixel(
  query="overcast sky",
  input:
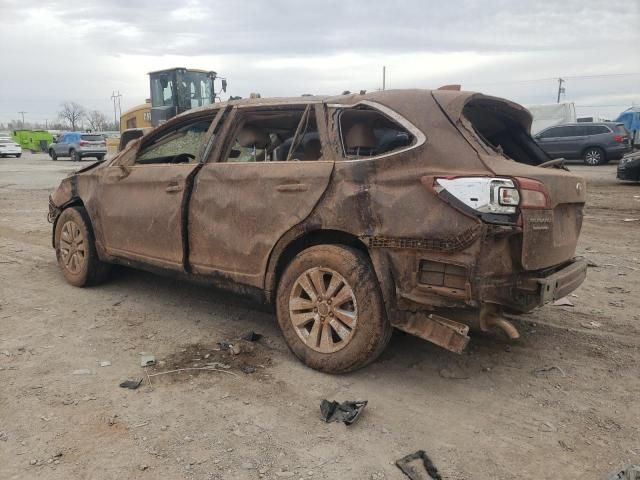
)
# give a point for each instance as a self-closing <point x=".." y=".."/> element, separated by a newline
<point x="82" y="50"/>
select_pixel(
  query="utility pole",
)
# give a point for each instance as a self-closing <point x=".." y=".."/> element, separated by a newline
<point x="23" y="118"/>
<point x="384" y="77"/>
<point x="117" y="111"/>
<point x="561" y="89"/>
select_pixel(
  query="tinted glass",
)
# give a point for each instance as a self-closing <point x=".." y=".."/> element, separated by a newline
<point x="620" y="128"/>
<point x="92" y="138"/>
<point x="596" y="129"/>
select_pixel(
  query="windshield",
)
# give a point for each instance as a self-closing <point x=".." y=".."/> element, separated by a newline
<point x="195" y="89"/>
<point x="161" y="89"/>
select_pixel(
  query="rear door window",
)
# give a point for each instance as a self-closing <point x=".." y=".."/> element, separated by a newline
<point x="275" y="134"/>
<point x="366" y="132"/>
<point x="596" y="129"/>
<point x="554" y="132"/>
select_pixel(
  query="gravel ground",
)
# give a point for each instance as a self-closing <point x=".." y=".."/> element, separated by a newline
<point x="562" y="402"/>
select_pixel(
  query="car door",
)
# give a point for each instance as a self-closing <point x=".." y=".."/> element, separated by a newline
<point x="58" y="147"/>
<point x="550" y="141"/>
<point x="141" y="203"/>
<point x="573" y="141"/>
<point x="248" y="195"/>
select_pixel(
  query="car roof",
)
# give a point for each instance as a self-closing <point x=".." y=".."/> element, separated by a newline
<point x="580" y="124"/>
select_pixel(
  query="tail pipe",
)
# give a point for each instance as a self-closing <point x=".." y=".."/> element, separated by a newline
<point x="491" y="317"/>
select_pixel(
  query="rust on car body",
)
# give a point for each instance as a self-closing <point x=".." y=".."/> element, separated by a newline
<point x="399" y="175"/>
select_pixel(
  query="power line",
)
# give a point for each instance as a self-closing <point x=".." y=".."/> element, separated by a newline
<point x="564" y="77"/>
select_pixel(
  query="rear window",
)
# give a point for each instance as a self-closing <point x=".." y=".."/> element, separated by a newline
<point x="366" y="132"/>
<point x="596" y="129"/>
<point x="92" y="138"/>
<point x="620" y="128"/>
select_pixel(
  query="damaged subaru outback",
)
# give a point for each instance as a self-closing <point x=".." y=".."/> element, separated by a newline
<point x="429" y="211"/>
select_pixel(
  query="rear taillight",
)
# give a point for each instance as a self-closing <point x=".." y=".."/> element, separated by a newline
<point x="83" y="143"/>
<point x="482" y="194"/>
<point x="533" y="194"/>
<point x="495" y="200"/>
<point x="618" y="138"/>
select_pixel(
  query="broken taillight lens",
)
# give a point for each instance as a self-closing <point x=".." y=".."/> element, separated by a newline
<point x="482" y="194"/>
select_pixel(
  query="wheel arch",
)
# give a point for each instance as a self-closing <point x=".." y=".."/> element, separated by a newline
<point x="599" y="147"/>
<point x="74" y="202"/>
<point x="289" y="246"/>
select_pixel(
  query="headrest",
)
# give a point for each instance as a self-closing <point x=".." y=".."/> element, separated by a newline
<point x="312" y="149"/>
<point x="360" y="135"/>
<point x="251" y="136"/>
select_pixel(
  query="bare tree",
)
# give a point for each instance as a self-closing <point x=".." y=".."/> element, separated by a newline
<point x="97" y="120"/>
<point x="72" y="113"/>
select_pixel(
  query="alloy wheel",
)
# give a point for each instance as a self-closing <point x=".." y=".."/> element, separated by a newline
<point x="593" y="157"/>
<point x="323" y="309"/>
<point x="72" y="247"/>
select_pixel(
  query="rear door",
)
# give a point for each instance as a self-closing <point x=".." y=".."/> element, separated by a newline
<point x="265" y="178"/>
<point x="141" y="205"/>
<point x="572" y="141"/>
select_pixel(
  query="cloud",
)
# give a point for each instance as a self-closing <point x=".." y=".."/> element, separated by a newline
<point x="84" y="49"/>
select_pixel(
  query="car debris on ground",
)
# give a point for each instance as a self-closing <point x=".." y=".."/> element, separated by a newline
<point x="418" y="466"/>
<point x="347" y="412"/>
<point x="131" y="384"/>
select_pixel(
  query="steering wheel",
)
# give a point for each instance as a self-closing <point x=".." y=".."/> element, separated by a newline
<point x="183" y="158"/>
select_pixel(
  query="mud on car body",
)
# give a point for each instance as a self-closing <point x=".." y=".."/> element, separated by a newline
<point x="427" y="211"/>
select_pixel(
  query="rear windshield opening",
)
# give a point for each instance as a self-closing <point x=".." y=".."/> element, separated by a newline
<point x="92" y="138"/>
<point x="497" y="128"/>
<point x="366" y="132"/>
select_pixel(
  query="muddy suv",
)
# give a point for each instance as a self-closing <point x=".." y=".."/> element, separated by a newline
<point x="421" y="210"/>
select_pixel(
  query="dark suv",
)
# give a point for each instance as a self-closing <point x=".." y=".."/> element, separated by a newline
<point x="595" y="143"/>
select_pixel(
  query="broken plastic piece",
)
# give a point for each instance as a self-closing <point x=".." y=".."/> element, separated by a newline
<point x="631" y="472"/>
<point x="252" y="336"/>
<point x="418" y="466"/>
<point x="147" y="360"/>
<point x="131" y="384"/>
<point x="347" y="412"/>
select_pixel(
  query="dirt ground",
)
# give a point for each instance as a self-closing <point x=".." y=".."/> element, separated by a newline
<point x="562" y="402"/>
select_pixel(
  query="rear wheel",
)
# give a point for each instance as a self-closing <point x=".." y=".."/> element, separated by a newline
<point x="594" y="156"/>
<point x="75" y="156"/>
<point x="18" y="155"/>
<point x="76" y="251"/>
<point x="53" y="155"/>
<point x="330" y="309"/>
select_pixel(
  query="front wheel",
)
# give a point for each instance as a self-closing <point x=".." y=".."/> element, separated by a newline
<point x="594" y="156"/>
<point x="76" y="251"/>
<point x="75" y="156"/>
<point x="330" y="309"/>
<point x="53" y="155"/>
<point x="100" y="157"/>
<point x="18" y="155"/>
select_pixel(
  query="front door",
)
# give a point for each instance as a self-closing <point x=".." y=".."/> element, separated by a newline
<point x="269" y="177"/>
<point x="141" y="212"/>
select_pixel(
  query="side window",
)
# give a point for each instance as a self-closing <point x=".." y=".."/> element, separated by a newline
<point x="180" y="145"/>
<point x="577" y="130"/>
<point x="366" y="132"/>
<point x="275" y="134"/>
<point x="551" y="133"/>
<point x="597" y="129"/>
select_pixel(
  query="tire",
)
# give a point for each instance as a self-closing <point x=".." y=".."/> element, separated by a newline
<point x="356" y="288"/>
<point x="75" y="156"/>
<point x="100" y="157"/>
<point x="53" y="155"/>
<point x="80" y="267"/>
<point x="18" y="155"/>
<point x="594" y="156"/>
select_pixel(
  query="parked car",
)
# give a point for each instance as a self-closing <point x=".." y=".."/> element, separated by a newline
<point x="9" y="147"/>
<point x="354" y="214"/>
<point x="595" y="143"/>
<point x="77" y="145"/>
<point x="629" y="167"/>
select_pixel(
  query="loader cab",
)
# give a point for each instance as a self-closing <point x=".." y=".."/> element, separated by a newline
<point x="176" y="90"/>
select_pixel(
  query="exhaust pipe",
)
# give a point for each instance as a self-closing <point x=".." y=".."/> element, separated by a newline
<point x="491" y="317"/>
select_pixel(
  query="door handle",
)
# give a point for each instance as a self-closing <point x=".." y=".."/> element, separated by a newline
<point x="292" y="187"/>
<point x="173" y="188"/>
